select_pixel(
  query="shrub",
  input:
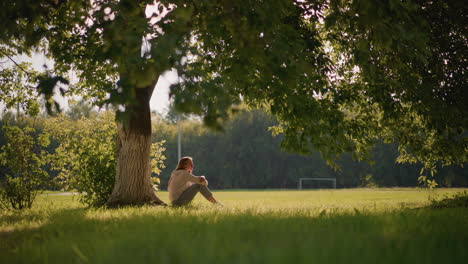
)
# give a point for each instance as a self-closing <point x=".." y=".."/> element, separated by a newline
<point x="157" y="162"/>
<point x="459" y="199"/>
<point x="23" y="159"/>
<point x="368" y="181"/>
<point x="85" y="158"/>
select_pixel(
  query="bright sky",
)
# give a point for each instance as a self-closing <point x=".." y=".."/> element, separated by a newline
<point x="159" y="100"/>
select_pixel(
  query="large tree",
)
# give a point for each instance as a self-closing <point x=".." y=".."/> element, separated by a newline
<point x="338" y="74"/>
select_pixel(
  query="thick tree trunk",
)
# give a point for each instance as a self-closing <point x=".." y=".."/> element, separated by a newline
<point x="133" y="184"/>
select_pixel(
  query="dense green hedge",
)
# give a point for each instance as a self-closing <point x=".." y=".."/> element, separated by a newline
<point x="245" y="155"/>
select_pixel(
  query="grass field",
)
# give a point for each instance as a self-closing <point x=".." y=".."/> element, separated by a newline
<point x="326" y="226"/>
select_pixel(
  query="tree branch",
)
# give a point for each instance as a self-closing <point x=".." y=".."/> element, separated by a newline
<point x="19" y="66"/>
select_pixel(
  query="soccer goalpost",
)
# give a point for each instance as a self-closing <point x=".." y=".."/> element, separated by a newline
<point x="333" y="180"/>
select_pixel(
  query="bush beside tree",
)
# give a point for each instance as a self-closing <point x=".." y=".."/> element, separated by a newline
<point x="22" y="159"/>
<point x="85" y="158"/>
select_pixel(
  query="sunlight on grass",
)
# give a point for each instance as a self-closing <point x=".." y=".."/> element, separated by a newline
<point x="281" y="203"/>
<point x="326" y="226"/>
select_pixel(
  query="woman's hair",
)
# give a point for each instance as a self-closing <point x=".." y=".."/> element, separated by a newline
<point x="183" y="162"/>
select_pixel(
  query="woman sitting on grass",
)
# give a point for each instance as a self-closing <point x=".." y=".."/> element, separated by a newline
<point x="183" y="186"/>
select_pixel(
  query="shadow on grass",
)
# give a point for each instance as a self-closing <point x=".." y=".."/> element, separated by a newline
<point x="457" y="200"/>
<point x="174" y="235"/>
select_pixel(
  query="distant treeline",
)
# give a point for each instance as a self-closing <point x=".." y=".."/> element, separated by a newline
<point x="246" y="156"/>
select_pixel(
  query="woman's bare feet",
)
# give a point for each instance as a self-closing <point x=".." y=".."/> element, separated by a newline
<point x="213" y="200"/>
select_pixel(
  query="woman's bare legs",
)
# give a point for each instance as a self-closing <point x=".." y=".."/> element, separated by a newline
<point x="188" y="195"/>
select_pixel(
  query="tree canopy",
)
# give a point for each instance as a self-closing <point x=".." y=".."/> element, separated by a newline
<point x="338" y="74"/>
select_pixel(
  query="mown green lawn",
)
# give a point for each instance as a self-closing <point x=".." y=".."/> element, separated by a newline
<point x="326" y="226"/>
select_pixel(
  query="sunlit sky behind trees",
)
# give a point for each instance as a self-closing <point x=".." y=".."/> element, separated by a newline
<point x="159" y="101"/>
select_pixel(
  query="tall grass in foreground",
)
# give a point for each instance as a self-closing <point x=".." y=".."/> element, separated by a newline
<point x="327" y="226"/>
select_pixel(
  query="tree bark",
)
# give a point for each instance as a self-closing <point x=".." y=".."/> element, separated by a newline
<point x="133" y="184"/>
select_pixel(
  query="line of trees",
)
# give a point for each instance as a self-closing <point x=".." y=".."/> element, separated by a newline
<point x="338" y="75"/>
<point x="246" y="155"/>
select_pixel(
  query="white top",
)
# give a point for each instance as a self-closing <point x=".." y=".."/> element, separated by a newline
<point x="180" y="180"/>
